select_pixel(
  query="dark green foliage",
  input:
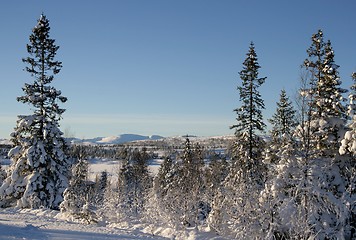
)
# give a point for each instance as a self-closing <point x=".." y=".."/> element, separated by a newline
<point x="284" y="119"/>
<point x="42" y="66"/>
<point x="39" y="173"/>
<point x="249" y="115"/>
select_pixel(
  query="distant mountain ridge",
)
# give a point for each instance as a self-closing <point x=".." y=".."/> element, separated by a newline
<point x="123" y="138"/>
<point x="126" y="138"/>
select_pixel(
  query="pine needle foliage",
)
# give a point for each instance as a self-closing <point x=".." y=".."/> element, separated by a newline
<point x="40" y="166"/>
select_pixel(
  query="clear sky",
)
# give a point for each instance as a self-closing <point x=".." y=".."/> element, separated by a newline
<point x="166" y="67"/>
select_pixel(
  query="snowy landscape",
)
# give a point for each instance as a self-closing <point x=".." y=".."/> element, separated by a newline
<point x="37" y="224"/>
<point x="294" y="180"/>
<point x="44" y="224"/>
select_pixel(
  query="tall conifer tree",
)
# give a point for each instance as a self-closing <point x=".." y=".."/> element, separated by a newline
<point x="318" y="194"/>
<point x="234" y="209"/>
<point x="40" y="166"/>
<point x="249" y="115"/>
<point x="327" y="113"/>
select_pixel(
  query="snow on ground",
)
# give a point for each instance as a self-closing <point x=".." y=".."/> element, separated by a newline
<point x="45" y="225"/>
<point x="96" y="166"/>
<point x="112" y="167"/>
<point x="42" y="224"/>
<point x="154" y="165"/>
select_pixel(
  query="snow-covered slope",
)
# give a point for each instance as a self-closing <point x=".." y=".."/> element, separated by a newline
<point x="5" y="141"/>
<point x="123" y="138"/>
<point x="45" y="224"/>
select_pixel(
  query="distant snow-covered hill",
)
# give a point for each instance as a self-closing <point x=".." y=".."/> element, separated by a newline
<point x="123" y="138"/>
<point x="141" y="139"/>
<point x="5" y="141"/>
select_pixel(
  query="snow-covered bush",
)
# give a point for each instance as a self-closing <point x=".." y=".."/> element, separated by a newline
<point x="179" y="189"/>
<point x="78" y="197"/>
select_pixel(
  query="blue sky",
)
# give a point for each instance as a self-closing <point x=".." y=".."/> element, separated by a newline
<point x="167" y="67"/>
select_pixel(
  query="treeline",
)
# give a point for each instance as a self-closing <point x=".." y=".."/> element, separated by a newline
<point x="298" y="185"/>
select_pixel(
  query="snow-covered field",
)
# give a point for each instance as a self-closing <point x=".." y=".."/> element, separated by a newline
<point x="96" y="166"/>
<point x="49" y="224"/>
<point x="46" y="224"/>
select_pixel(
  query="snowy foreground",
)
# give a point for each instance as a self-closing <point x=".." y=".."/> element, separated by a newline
<point x="47" y="224"/>
<point x="44" y="224"/>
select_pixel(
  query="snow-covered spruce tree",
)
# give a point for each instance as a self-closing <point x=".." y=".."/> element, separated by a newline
<point x="318" y="197"/>
<point x="284" y="119"/>
<point x="163" y="206"/>
<point x="278" y="199"/>
<point x="348" y="143"/>
<point x="235" y="209"/>
<point x="78" y="197"/>
<point x="249" y="120"/>
<point x="280" y="161"/>
<point x="283" y="124"/>
<point x="163" y="179"/>
<point x="215" y="174"/>
<point x="191" y="185"/>
<point x="134" y="184"/>
<point x="348" y="150"/>
<point x="108" y="211"/>
<point x="249" y="145"/>
<point x="351" y="111"/>
<point x="310" y="177"/>
<point x="39" y="169"/>
<point x="100" y="187"/>
<point x="327" y="115"/>
<point x="249" y="114"/>
<point x="178" y="188"/>
<point x="2" y="174"/>
<point x="162" y="186"/>
<point x="308" y="181"/>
